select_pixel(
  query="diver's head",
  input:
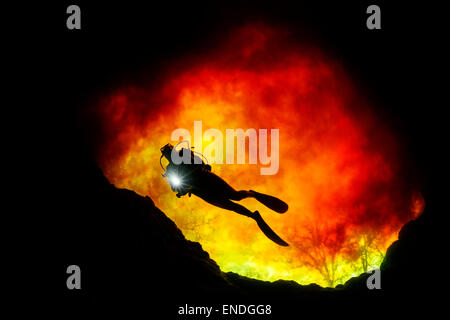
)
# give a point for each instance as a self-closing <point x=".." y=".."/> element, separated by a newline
<point x="167" y="151"/>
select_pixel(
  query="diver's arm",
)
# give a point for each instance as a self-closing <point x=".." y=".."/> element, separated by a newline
<point x="182" y="192"/>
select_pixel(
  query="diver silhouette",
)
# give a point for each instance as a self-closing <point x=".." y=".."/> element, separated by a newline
<point x="195" y="177"/>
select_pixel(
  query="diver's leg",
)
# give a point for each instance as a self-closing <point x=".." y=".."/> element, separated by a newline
<point x="271" y="202"/>
<point x="264" y="227"/>
<point x="228" y="205"/>
<point x="211" y="186"/>
<point x="215" y="188"/>
<point x="239" y="195"/>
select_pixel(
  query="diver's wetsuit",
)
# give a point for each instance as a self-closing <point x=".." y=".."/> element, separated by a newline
<point x="197" y="178"/>
<point x="217" y="186"/>
<point x="217" y="192"/>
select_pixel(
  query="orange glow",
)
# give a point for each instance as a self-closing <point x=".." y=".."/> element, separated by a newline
<point x="339" y="165"/>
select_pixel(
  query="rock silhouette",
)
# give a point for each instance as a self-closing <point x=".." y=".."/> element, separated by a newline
<point x="132" y="254"/>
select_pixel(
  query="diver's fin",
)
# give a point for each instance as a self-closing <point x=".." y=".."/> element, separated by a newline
<point x="267" y="230"/>
<point x="270" y="202"/>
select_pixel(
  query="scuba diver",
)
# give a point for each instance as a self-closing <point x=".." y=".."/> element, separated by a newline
<point x="195" y="177"/>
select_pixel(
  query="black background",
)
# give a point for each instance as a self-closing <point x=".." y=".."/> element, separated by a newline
<point x="58" y="70"/>
<point x="397" y="67"/>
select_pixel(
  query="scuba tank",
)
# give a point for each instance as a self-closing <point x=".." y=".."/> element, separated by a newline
<point x="179" y="175"/>
<point x="166" y="152"/>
